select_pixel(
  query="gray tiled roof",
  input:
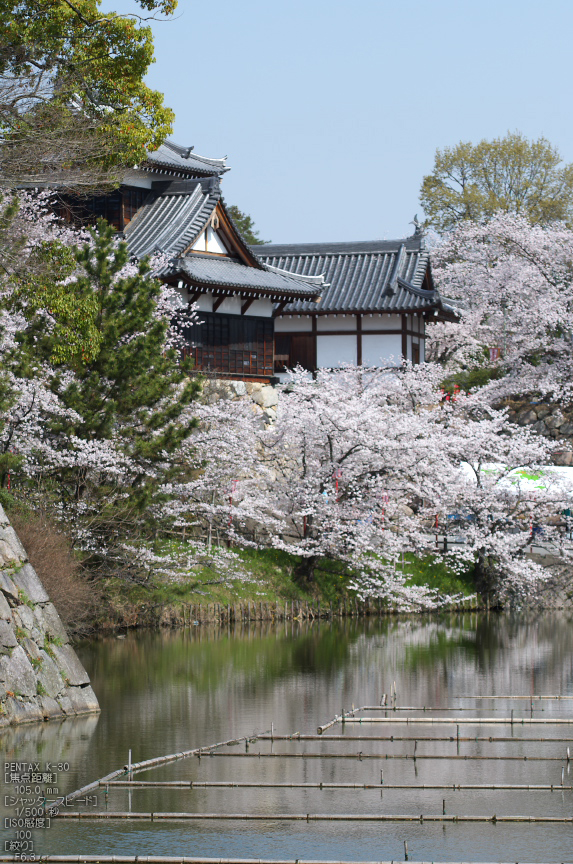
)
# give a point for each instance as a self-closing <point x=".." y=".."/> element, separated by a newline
<point x="171" y="155"/>
<point x="211" y="271"/>
<point x="174" y="214"/>
<point x="372" y="276"/>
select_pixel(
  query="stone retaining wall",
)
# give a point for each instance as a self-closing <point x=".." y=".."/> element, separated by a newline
<point x="41" y="677"/>
<point x="265" y="397"/>
<point x="547" y="419"/>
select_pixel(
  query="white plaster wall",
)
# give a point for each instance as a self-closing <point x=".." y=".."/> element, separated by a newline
<point x="263" y="308"/>
<point x="336" y="322"/>
<point x="335" y="350"/>
<point x="381" y="322"/>
<point x="214" y="243"/>
<point x="382" y="350"/>
<point x="139" y="179"/>
<point x="205" y="303"/>
<point x="230" y="306"/>
<point x="293" y="324"/>
<point x="199" y="244"/>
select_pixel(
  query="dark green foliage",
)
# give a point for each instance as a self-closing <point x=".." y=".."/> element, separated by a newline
<point x="246" y="226"/>
<point x="134" y="390"/>
<point x="471" y="379"/>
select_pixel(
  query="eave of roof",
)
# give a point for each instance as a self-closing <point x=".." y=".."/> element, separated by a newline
<point x="214" y="273"/>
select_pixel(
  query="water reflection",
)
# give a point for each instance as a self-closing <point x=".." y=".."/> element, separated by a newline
<point x="162" y="692"/>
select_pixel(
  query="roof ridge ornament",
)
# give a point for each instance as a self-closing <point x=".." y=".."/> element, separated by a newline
<point x="418" y="229"/>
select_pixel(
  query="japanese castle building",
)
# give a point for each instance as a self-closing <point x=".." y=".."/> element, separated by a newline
<point x="375" y="301"/>
<point x="264" y="309"/>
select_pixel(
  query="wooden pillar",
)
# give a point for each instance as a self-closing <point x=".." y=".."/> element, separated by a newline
<point x="359" y="340"/>
<point x="404" y="337"/>
<point x="315" y="340"/>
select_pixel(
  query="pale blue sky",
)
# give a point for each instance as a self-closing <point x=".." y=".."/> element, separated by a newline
<point x="331" y="112"/>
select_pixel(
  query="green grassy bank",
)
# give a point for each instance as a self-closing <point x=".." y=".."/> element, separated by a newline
<point x="271" y="580"/>
<point x="88" y="603"/>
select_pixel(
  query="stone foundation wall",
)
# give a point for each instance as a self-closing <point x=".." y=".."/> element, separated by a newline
<point x="40" y="675"/>
<point x="550" y="420"/>
<point x="264" y="397"/>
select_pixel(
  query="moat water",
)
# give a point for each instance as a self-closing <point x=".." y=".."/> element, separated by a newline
<point x="164" y="692"/>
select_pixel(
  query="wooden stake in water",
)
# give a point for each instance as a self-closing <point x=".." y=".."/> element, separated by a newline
<point x="443" y="806"/>
<point x="405" y="850"/>
<point x="562" y="776"/>
<point x="129" y="772"/>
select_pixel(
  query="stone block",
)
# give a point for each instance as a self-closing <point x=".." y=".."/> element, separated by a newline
<point x="26" y="616"/>
<point x="3" y="518"/>
<point x="7" y="635"/>
<point x="27" y="580"/>
<point x="238" y="387"/>
<point x="83" y="699"/>
<point x="17" y="673"/>
<point x="66" y="705"/>
<point x="266" y="397"/>
<point x="23" y="712"/>
<point x="542" y="411"/>
<point x="69" y="665"/>
<point x="527" y="417"/>
<point x="31" y="649"/>
<point x="50" y="623"/>
<point x="566" y="429"/>
<point x="5" y="613"/>
<point x="554" y="421"/>
<point x="7" y="586"/>
<point x="49" y="707"/>
<point x="49" y="676"/>
<point x="539" y="427"/>
<point x="9" y="537"/>
<point x="563" y="457"/>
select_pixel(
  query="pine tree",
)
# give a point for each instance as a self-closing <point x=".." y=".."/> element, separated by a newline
<point x="135" y="392"/>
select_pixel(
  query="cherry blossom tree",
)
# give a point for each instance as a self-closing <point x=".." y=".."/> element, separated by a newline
<point x="367" y="459"/>
<point x="94" y="397"/>
<point x="514" y="285"/>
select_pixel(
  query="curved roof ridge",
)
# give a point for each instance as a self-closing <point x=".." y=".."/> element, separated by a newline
<point x="312" y="280"/>
<point x="184" y="158"/>
<point x="419" y="292"/>
<point x="187" y="152"/>
<point x="413" y="243"/>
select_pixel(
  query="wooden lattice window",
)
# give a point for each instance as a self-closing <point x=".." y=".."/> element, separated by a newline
<point x="234" y="345"/>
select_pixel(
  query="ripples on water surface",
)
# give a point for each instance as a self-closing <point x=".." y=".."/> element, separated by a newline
<point x="163" y="692"/>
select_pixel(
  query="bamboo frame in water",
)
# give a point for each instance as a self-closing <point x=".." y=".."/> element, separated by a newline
<point x="467" y="721"/>
<point x="169" y="859"/>
<point x="360" y="756"/>
<point x="243" y="784"/>
<point x="305" y="817"/>
<point x="491" y="739"/>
